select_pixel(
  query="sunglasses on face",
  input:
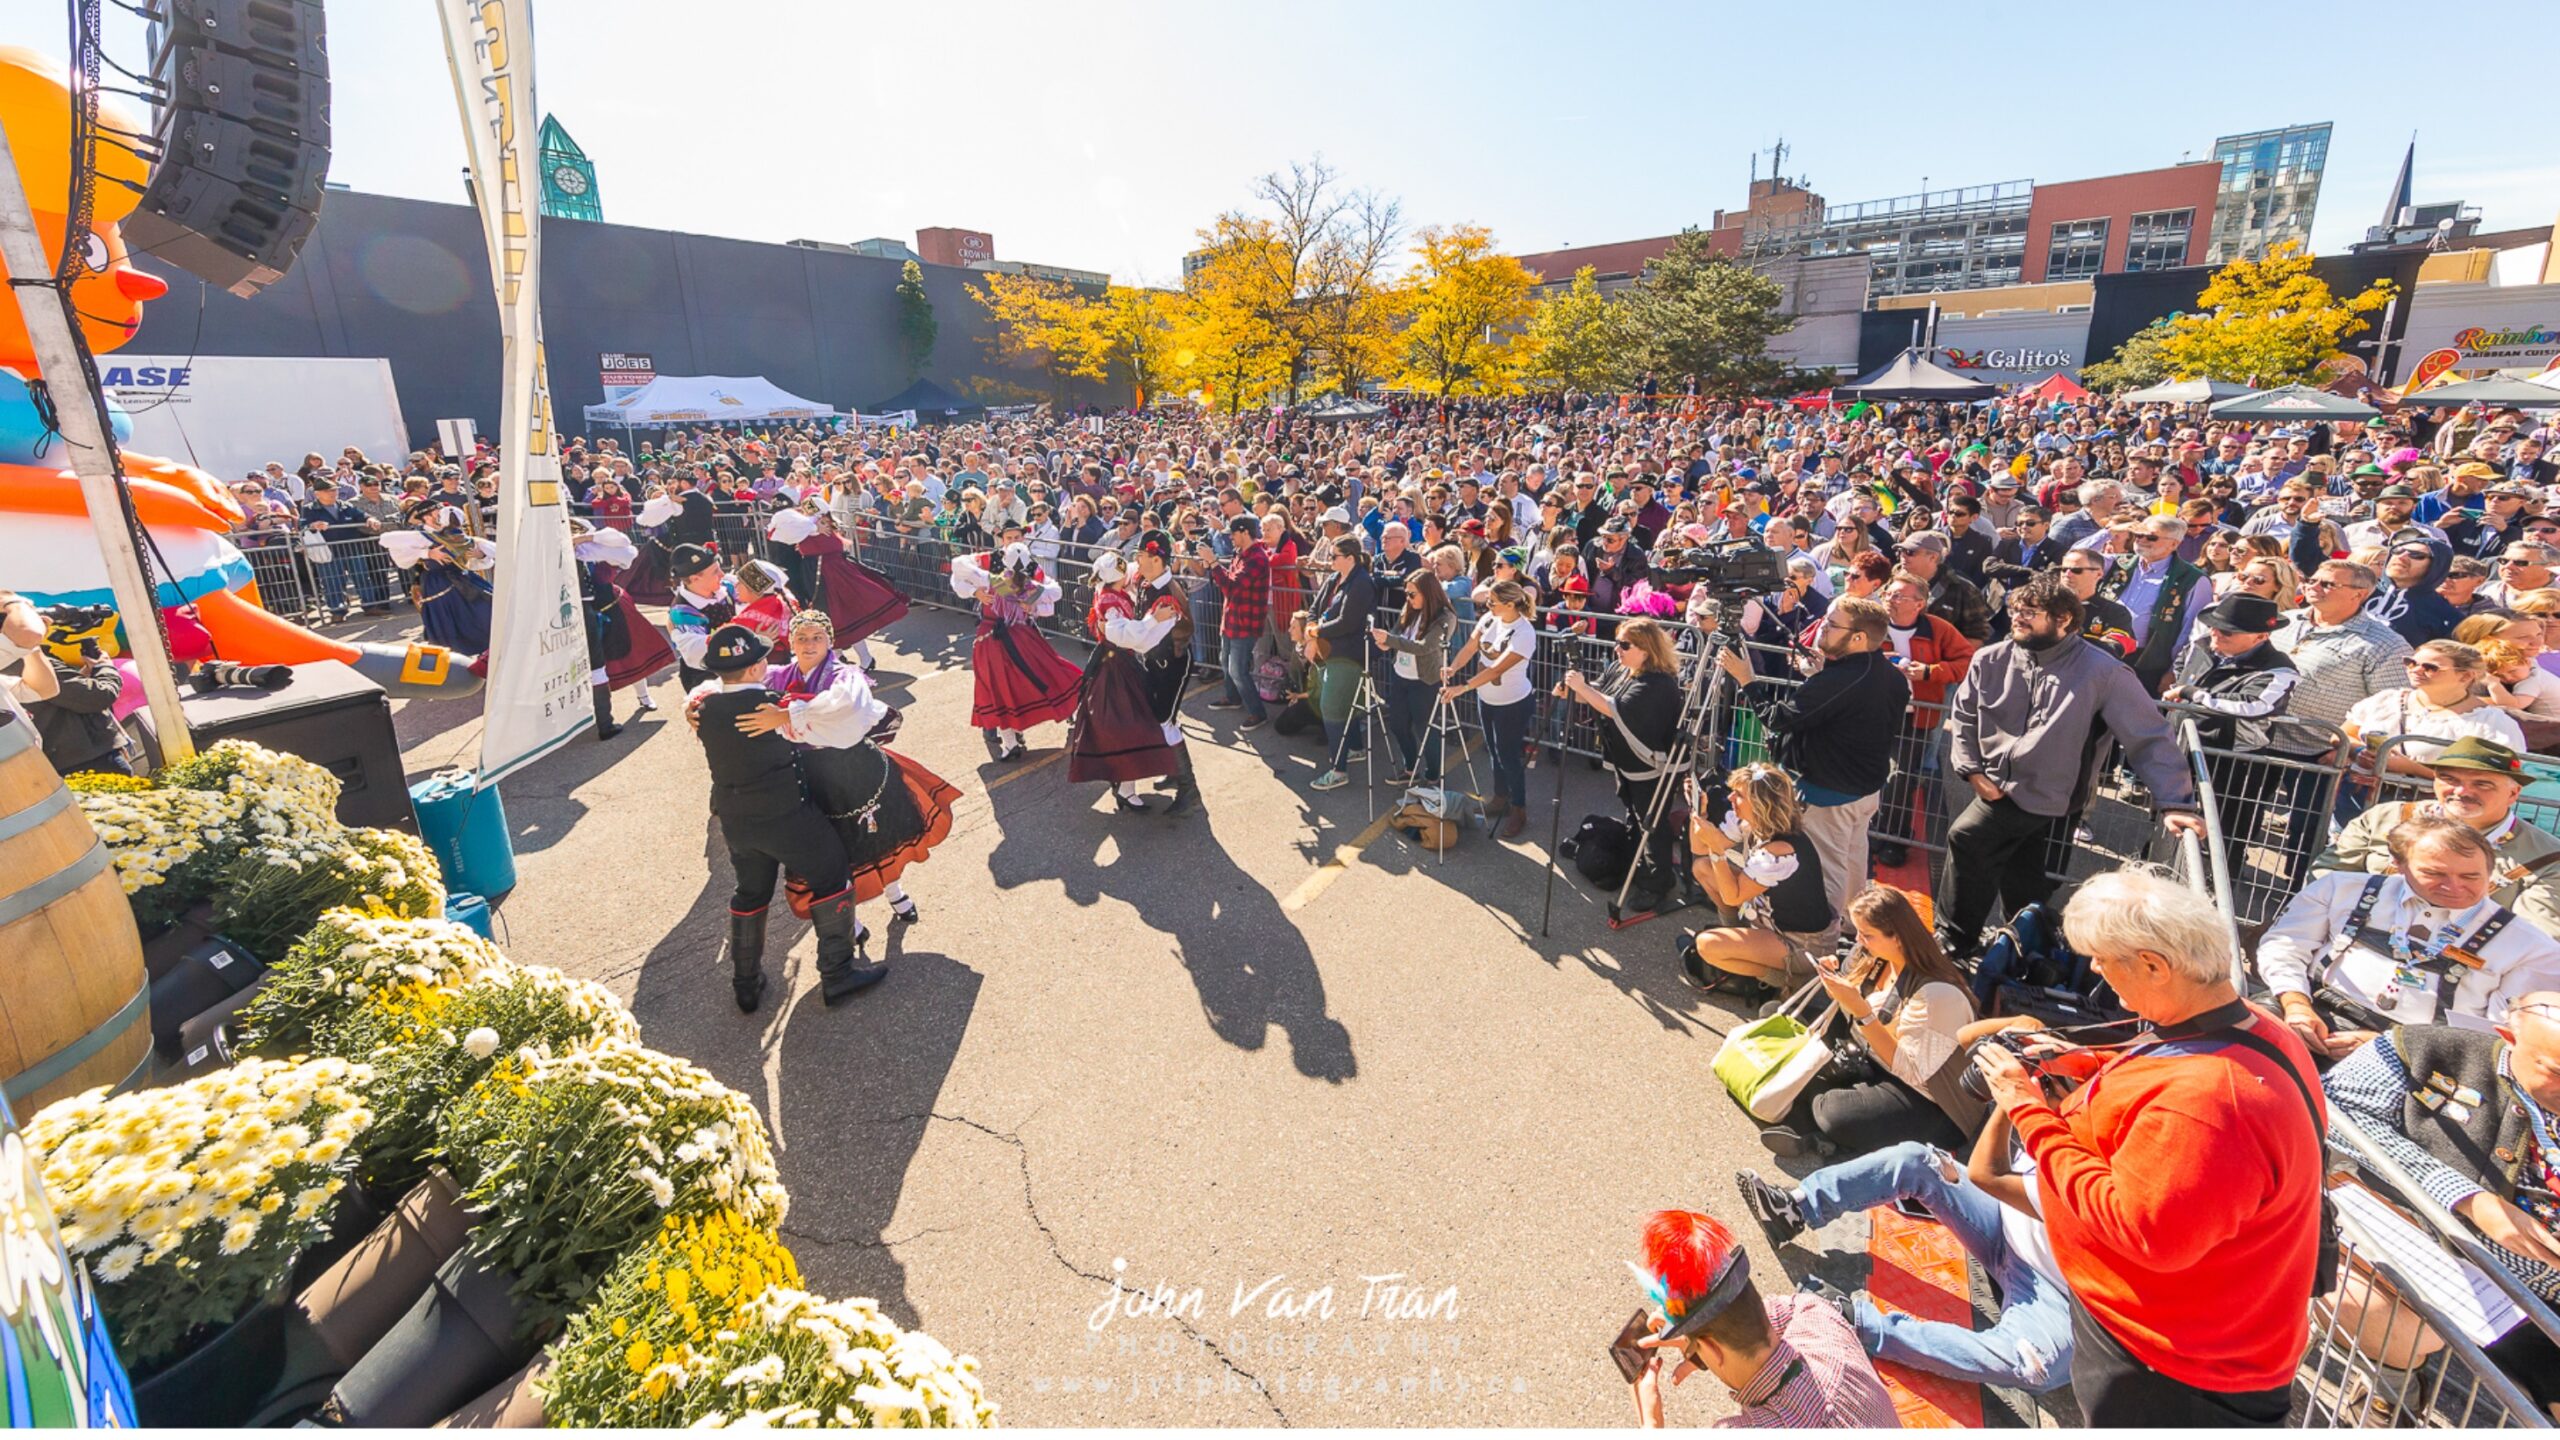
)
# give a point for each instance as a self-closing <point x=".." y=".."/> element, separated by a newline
<point x="2425" y="667"/>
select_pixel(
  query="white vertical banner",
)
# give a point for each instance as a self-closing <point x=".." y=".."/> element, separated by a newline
<point x="538" y="692"/>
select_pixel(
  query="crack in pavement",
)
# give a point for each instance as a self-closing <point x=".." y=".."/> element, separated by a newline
<point x="814" y="1238"/>
<point x="1022" y="1155"/>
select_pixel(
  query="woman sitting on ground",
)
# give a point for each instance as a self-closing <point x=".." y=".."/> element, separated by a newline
<point x="1908" y="1006"/>
<point x="1759" y="865"/>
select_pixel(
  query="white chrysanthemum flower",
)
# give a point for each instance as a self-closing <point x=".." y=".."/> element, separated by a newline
<point x="481" y="1043"/>
<point x="118" y="1263"/>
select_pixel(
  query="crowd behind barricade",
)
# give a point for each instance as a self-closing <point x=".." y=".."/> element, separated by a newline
<point x="1995" y="651"/>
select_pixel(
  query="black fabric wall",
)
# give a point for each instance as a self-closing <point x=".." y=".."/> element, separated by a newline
<point x="2125" y="304"/>
<point x="408" y="280"/>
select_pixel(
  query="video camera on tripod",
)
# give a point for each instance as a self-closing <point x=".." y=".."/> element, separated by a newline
<point x="1731" y="570"/>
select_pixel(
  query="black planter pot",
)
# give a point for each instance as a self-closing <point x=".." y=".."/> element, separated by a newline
<point x="219" y="1383"/>
<point x="461" y="1338"/>
<point x="162" y="947"/>
<point x="365" y="1291"/>
<point x="354" y="1217"/>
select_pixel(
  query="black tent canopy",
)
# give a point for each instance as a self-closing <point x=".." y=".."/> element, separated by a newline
<point x="930" y="399"/>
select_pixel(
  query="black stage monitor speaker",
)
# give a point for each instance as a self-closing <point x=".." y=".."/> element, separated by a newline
<point x="243" y="136"/>
<point x="329" y="715"/>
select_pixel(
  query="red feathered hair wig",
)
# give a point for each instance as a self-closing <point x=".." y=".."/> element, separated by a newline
<point x="1685" y="1250"/>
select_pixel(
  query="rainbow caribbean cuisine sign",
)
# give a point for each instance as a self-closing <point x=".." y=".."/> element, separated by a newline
<point x="2484" y="348"/>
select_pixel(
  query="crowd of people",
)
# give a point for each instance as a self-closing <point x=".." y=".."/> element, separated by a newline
<point x="1985" y="617"/>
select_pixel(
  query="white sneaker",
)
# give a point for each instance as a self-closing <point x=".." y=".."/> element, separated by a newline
<point x="1331" y="780"/>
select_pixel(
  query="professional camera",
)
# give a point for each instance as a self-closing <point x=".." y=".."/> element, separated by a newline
<point x="1730" y="569"/>
<point x="79" y="629"/>
<point x="2070" y="1065"/>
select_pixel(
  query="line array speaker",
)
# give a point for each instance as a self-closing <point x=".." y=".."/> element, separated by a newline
<point x="243" y="136"/>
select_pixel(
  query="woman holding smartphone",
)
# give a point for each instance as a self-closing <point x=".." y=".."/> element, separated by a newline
<point x="1758" y="864"/>
<point x="1500" y="647"/>
<point x="1908" y="1005"/>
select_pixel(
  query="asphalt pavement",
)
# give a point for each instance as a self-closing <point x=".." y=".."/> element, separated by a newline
<point x="1253" y="1116"/>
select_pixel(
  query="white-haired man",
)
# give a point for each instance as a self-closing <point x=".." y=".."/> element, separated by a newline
<point x="2181" y="1184"/>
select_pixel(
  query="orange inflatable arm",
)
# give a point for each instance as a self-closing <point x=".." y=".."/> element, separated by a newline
<point x="247" y="635"/>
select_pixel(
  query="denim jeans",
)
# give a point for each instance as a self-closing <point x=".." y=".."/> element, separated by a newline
<point x="1343" y="738"/>
<point x="1236" y="658"/>
<point x="1506" y="738"/>
<point x="1418" y="747"/>
<point x="371" y="568"/>
<point x="329" y="584"/>
<point x="2030" y="1349"/>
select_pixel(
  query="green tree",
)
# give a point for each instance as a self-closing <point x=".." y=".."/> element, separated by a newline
<point x="917" y="329"/>
<point x="2143" y="359"/>
<point x="1696" y="313"/>
<point x="1582" y="340"/>
<point x="2267" y="322"/>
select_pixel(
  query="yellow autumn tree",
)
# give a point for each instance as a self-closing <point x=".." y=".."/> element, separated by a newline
<point x="1136" y="326"/>
<point x="1044" y="326"/>
<point x="1466" y="316"/>
<point x="1228" y="335"/>
<point x="2266" y="322"/>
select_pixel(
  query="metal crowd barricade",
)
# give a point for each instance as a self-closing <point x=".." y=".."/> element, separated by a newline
<point x="2382" y="1355"/>
<point x="2272" y="811"/>
<point x="280" y="571"/>
<point x="2393" y="788"/>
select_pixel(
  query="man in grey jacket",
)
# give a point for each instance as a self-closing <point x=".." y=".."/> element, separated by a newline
<point x="2026" y="727"/>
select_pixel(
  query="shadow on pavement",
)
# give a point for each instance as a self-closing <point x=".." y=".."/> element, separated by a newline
<point x="860" y="1083"/>
<point x="1252" y="968"/>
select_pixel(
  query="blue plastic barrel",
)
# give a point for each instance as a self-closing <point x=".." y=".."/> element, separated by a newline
<point x="464" y="908"/>
<point x="466" y="827"/>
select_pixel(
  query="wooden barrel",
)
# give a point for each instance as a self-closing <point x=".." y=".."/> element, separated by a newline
<point x="75" y="1010"/>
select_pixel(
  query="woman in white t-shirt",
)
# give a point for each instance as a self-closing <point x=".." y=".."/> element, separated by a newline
<point x="2438" y="703"/>
<point x="1500" y="646"/>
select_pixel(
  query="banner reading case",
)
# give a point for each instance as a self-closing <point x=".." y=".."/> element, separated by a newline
<point x="231" y="414"/>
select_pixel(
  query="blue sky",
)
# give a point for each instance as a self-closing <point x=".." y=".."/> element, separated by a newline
<point x="1103" y="135"/>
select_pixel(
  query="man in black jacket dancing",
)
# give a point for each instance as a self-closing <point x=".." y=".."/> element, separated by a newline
<point x="768" y="822"/>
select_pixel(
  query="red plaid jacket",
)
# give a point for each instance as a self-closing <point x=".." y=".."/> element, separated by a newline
<point x="1245" y="584"/>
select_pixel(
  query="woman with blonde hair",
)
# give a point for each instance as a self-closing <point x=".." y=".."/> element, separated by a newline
<point x="1758" y="865"/>
<point x="2544" y="606"/>
<point x="2439" y="704"/>
<point x="1639" y="711"/>
<point x="2272" y="576"/>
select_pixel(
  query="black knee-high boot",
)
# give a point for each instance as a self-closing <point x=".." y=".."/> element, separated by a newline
<point x="840" y="973"/>
<point x="746" y="958"/>
<point x="605" y="728"/>
<point x="1186" y="787"/>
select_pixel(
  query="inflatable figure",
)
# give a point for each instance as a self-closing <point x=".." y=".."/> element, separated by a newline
<point x="48" y="550"/>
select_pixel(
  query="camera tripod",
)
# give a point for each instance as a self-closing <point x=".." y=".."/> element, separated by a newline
<point x="1369" y="711"/>
<point x="1698" y="731"/>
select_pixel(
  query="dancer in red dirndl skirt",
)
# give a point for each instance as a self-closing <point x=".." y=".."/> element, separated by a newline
<point x="1022" y="680"/>
<point x="1115" y="736"/>
<point x="859" y="600"/>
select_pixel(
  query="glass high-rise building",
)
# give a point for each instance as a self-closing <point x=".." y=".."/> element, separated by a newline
<point x="2270" y="186"/>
